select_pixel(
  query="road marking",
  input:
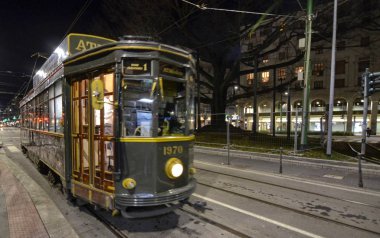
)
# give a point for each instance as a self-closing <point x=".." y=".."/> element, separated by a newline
<point x="13" y="148"/>
<point x="373" y="193"/>
<point x="292" y="228"/>
<point x="333" y="176"/>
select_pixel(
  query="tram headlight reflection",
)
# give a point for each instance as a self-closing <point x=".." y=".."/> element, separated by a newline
<point x="174" y="168"/>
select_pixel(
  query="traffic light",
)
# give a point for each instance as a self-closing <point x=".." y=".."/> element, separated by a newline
<point x="373" y="83"/>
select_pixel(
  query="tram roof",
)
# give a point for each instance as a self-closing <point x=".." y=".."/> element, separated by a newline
<point x="132" y="46"/>
<point x="78" y="48"/>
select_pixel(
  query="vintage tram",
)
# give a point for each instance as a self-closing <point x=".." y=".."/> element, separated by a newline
<point x="113" y="121"/>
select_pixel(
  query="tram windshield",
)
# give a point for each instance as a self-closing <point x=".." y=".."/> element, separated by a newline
<point x="153" y="108"/>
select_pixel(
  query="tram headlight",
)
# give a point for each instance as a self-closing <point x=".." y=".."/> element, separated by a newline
<point x="174" y="168"/>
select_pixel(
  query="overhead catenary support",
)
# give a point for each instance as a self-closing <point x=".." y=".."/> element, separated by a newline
<point x="332" y="82"/>
<point x="307" y="73"/>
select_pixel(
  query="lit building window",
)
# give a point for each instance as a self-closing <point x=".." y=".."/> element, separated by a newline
<point x="265" y="77"/>
<point x="265" y="59"/>
<point x="297" y="70"/>
<point x="250" y="78"/>
<point x="249" y="109"/>
<point x="318" y="69"/>
<point x="281" y="72"/>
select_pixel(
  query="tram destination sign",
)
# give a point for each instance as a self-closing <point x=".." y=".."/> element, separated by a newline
<point x="171" y="70"/>
<point x="137" y="67"/>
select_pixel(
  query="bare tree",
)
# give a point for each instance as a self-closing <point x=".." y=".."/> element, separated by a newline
<point x="216" y="35"/>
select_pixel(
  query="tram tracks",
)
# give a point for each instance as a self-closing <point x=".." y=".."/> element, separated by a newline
<point x="282" y="206"/>
<point x="222" y="226"/>
<point x="106" y="222"/>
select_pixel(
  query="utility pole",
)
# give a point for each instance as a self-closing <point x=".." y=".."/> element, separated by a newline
<point x="307" y="74"/>
<point x="332" y="83"/>
<point x="256" y="78"/>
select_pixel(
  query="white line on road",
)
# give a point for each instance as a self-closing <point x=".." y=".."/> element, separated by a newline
<point x="13" y="148"/>
<point x="373" y="193"/>
<point x="291" y="228"/>
<point x="333" y="176"/>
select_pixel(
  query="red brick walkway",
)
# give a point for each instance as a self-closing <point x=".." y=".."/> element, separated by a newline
<point x="23" y="218"/>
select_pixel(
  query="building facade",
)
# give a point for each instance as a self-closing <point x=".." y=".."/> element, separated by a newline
<point x="356" y="50"/>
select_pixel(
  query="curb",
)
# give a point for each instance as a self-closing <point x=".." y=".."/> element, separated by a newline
<point x="310" y="162"/>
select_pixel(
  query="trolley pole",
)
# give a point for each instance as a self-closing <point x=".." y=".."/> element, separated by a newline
<point x="305" y="115"/>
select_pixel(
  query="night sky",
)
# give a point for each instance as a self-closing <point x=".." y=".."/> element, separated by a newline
<point x="28" y="27"/>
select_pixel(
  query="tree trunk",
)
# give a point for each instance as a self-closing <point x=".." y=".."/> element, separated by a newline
<point x="218" y="108"/>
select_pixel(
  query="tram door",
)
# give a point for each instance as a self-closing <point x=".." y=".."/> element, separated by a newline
<point x="92" y="134"/>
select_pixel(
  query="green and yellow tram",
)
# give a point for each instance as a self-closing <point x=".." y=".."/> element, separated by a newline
<point x="113" y="121"/>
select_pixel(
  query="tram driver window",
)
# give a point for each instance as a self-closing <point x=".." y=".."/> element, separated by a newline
<point x="172" y="109"/>
<point x="137" y="107"/>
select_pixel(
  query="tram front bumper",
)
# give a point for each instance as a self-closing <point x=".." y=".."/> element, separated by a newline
<point x="147" y="199"/>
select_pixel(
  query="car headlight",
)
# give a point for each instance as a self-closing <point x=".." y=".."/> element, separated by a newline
<point x="174" y="168"/>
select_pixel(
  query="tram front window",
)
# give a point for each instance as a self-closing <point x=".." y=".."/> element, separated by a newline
<point x="137" y="107"/>
<point x="143" y="99"/>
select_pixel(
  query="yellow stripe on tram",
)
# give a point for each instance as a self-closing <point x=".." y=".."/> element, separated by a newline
<point x="157" y="139"/>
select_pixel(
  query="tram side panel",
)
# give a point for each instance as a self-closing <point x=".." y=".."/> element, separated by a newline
<point x="47" y="149"/>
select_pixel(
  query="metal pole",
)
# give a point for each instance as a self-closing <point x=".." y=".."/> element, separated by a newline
<point x="321" y="130"/>
<point x="228" y="140"/>
<point x="256" y="78"/>
<point x="332" y="82"/>
<point x="288" y="116"/>
<point x="360" y="183"/>
<point x="273" y="116"/>
<point x="365" y="110"/>
<point x="198" y="115"/>
<point x="296" y="132"/>
<point x="305" y="114"/>
<point x="280" y="160"/>
<point x="281" y="111"/>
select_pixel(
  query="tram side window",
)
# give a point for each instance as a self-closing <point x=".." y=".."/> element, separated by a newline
<point x="51" y="114"/>
<point x="33" y="114"/>
<point x="191" y="107"/>
<point x="45" y="114"/>
<point x="29" y="115"/>
<point x="137" y="107"/>
<point x="58" y="106"/>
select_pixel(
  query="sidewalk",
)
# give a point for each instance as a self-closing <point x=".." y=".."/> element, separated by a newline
<point x="25" y="208"/>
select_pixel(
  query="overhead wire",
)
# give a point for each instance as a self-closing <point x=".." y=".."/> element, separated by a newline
<point x="24" y="88"/>
<point x="299" y="3"/>
<point x="204" y="7"/>
<point x="80" y="13"/>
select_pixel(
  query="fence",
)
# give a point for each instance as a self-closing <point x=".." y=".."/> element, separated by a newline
<point x="272" y="131"/>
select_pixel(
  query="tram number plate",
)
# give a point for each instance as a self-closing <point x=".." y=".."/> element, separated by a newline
<point x="173" y="150"/>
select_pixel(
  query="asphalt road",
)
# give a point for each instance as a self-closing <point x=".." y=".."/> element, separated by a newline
<point x="337" y="173"/>
<point x="247" y="198"/>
